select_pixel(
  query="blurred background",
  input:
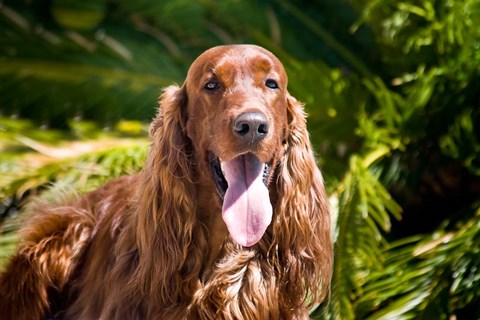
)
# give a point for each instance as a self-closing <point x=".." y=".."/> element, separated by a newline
<point x="392" y="93"/>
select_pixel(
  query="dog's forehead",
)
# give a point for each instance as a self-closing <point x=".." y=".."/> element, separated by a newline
<point x="229" y="58"/>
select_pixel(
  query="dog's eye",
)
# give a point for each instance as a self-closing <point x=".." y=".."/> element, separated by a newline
<point x="212" y="85"/>
<point x="272" y="84"/>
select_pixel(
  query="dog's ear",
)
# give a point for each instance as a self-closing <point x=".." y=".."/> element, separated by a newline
<point x="171" y="147"/>
<point x="302" y="220"/>
<point x="166" y="215"/>
<point x="172" y="101"/>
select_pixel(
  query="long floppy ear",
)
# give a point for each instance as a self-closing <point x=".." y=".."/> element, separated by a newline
<point x="302" y="223"/>
<point x="166" y="212"/>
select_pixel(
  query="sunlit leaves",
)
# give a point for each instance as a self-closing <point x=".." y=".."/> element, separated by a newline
<point x="420" y="271"/>
<point x="83" y="172"/>
<point x="33" y="158"/>
<point x="365" y="208"/>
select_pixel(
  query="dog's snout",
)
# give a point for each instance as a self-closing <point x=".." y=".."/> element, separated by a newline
<point x="251" y="126"/>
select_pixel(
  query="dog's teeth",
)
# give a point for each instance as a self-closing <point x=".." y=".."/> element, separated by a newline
<point x="222" y="167"/>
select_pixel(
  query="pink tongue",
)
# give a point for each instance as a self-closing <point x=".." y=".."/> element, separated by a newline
<point x="247" y="211"/>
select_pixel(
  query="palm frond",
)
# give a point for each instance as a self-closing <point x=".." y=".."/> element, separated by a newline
<point x="32" y="158"/>
<point x="83" y="172"/>
<point x="419" y="271"/>
<point x="365" y="208"/>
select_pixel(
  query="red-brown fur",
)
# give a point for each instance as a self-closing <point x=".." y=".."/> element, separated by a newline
<point x="154" y="246"/>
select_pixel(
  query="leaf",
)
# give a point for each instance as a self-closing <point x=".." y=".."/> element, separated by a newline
<point x="362" y="216"/>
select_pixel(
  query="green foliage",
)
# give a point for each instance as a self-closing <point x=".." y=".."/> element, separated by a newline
<point x="364" y="209"/>
<point x="83" y="172"/>
<point x="31" y="163"/>
<point x="420" y="274"/>
<point x="391" y="89"/>
<point x="461" y="143"/>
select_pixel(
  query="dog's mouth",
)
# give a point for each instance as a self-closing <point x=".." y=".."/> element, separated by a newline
<point x="242" y="185"/>
<point x="219" y="177"/>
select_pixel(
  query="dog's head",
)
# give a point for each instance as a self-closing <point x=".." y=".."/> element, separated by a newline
<point x="236" y="112"/>
<point x="237" y="121"/>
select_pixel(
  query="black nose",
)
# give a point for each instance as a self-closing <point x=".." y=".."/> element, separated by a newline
<point x="251" y="126"/>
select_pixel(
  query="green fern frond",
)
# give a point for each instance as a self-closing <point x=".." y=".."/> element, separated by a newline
<point x="84" y="172"/>
<point x="418" y="271"/>
<point x="364" y="209"/>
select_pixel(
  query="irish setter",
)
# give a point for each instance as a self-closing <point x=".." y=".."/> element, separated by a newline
<point x="228" y="219"/>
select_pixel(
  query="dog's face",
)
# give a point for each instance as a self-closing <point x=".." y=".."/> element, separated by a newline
<point x="237" y="122"/>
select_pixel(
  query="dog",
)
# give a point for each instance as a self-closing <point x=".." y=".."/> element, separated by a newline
<point x="229" y="218"/>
